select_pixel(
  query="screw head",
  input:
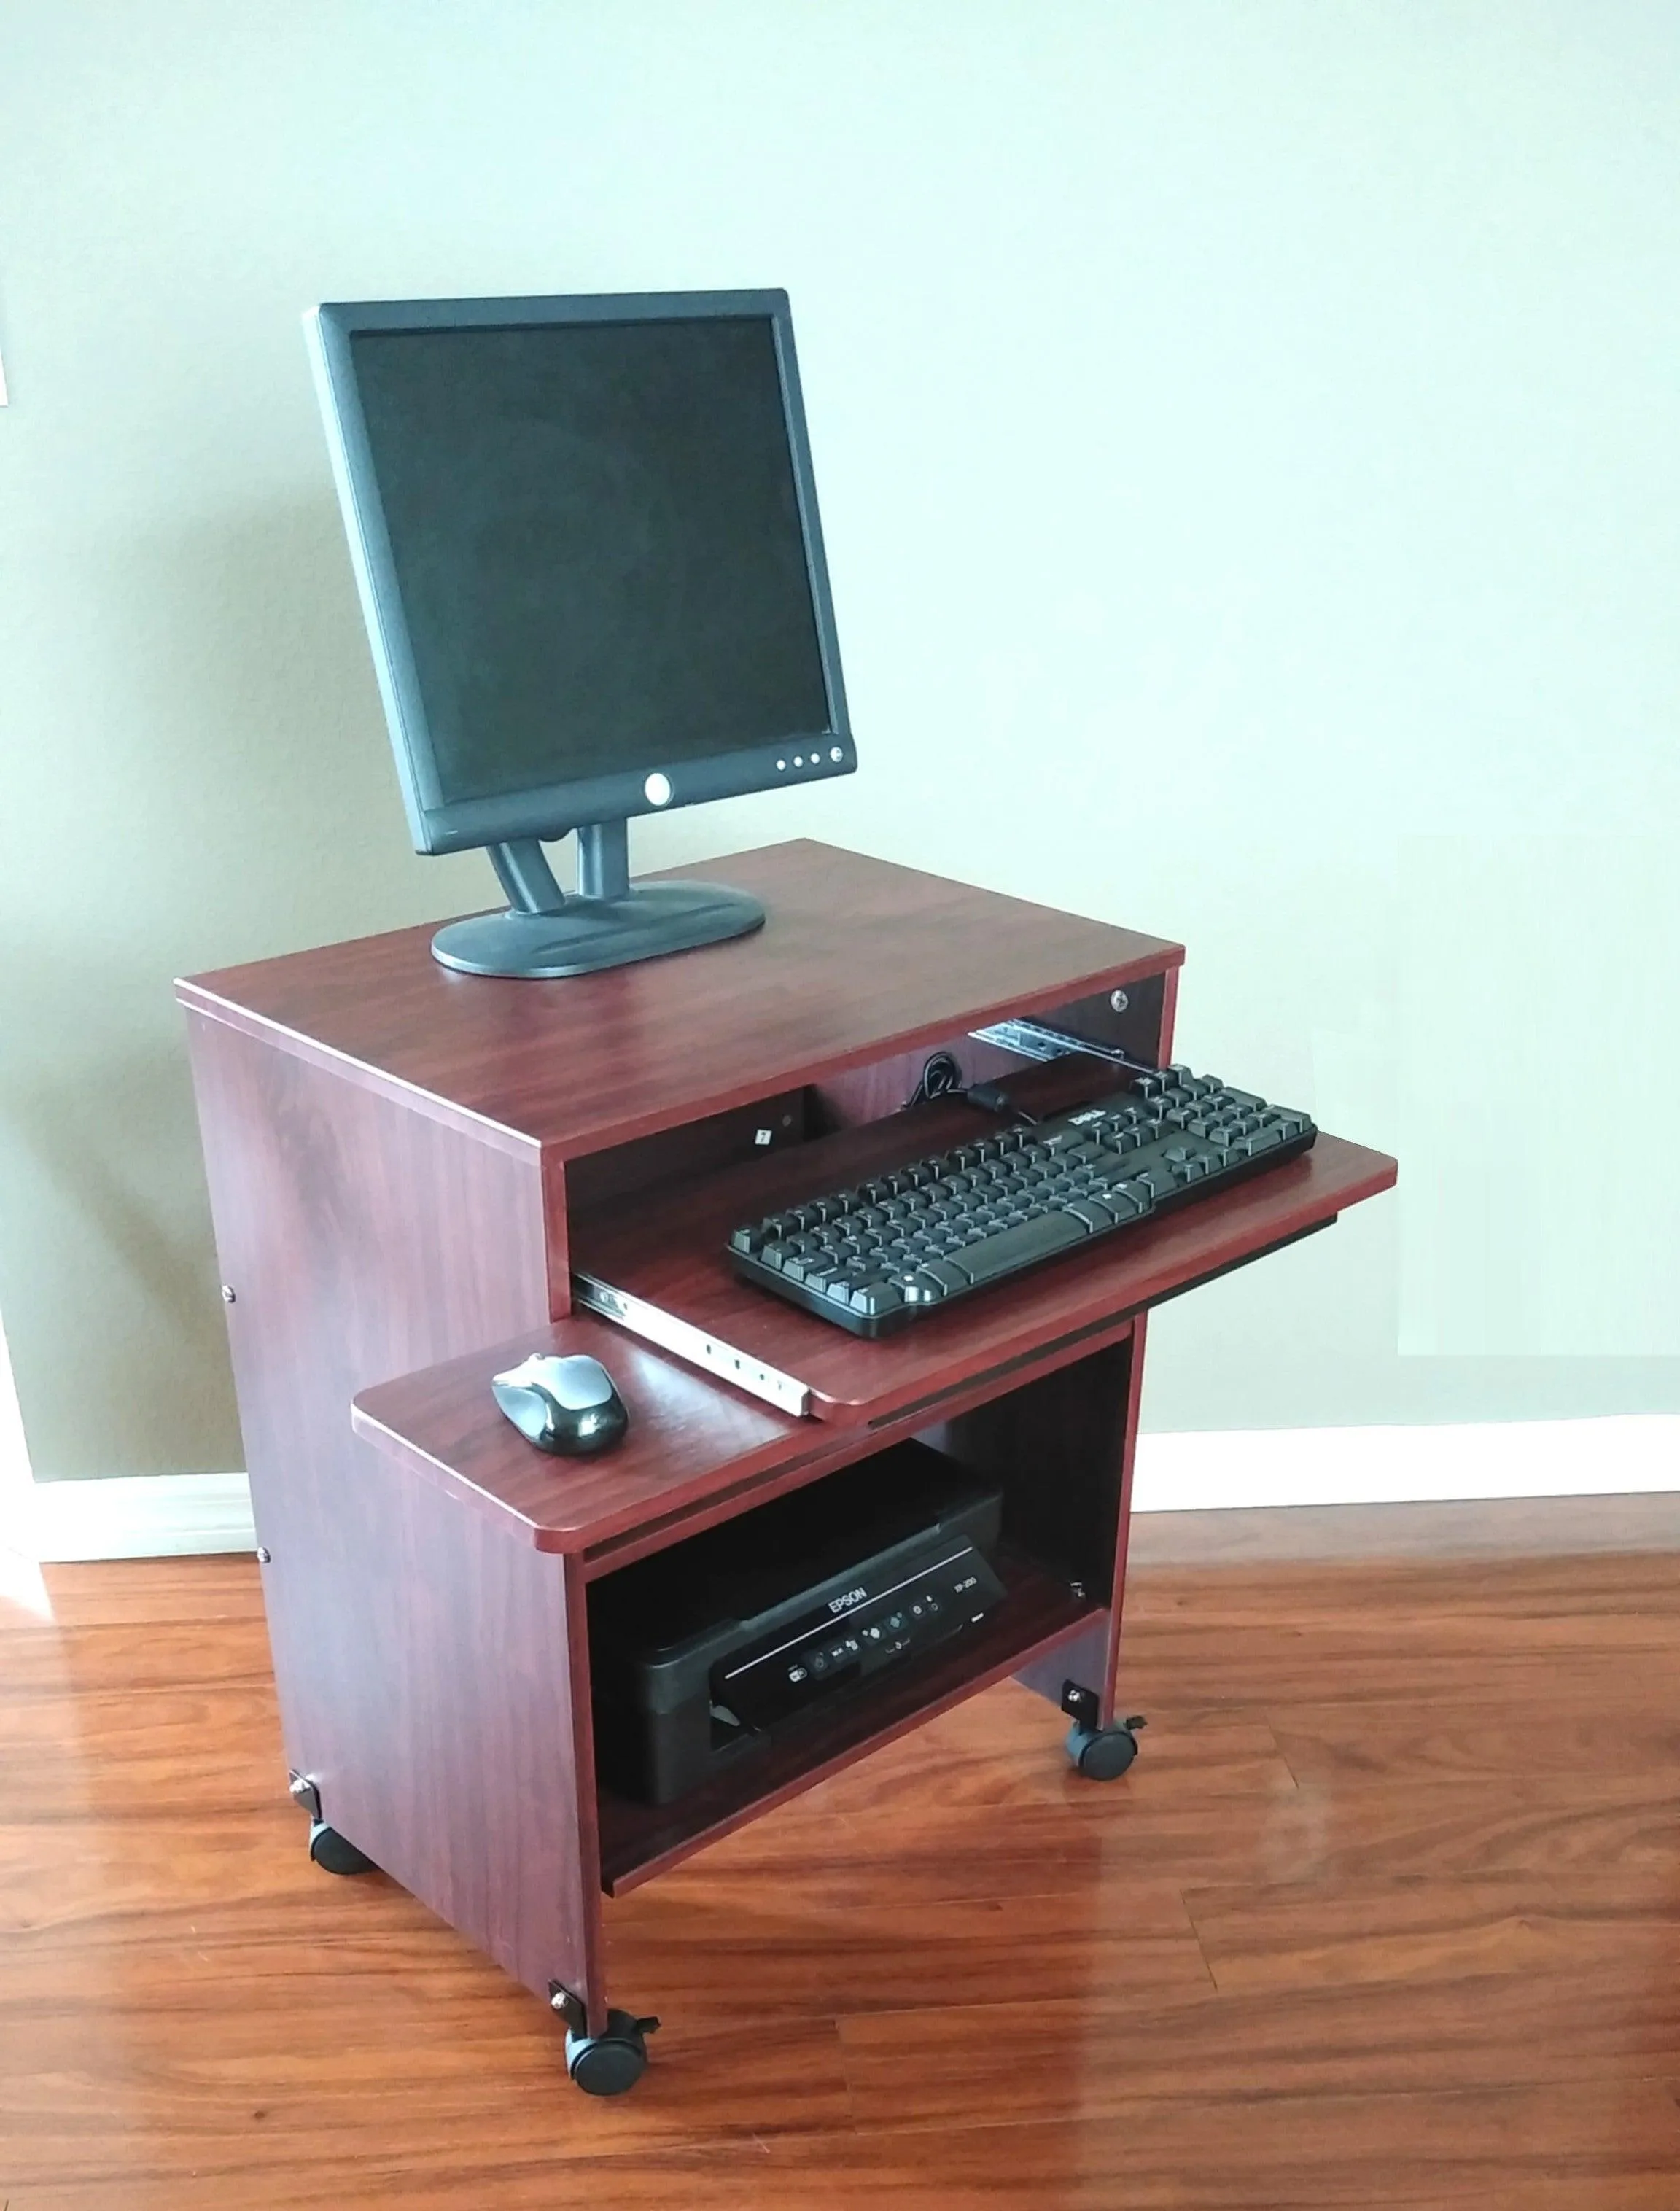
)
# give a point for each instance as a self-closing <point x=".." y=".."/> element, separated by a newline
<point x="1119" y="1000"/>
<point x="228" y="1293"/>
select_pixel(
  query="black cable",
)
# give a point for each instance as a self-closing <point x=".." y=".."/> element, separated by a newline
<point x="941" y="1077"/>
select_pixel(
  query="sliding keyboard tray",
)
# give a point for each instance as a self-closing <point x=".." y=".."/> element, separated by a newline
<point x="659" y="1267"/>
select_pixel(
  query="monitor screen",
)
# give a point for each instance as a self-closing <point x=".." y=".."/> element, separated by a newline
<point x="595" y="539"/>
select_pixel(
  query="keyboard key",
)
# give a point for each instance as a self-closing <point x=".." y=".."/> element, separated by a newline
<point x="1092" y="1211"/>
<point x="1013" y="1248"/>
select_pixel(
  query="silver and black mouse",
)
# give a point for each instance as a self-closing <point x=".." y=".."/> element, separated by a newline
<point x="567" y="1406"/>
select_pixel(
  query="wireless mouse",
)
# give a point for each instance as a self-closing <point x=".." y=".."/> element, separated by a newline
<point x="566" y="1406"/>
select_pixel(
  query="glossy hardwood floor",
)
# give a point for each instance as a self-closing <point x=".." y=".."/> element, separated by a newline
<point x="1388" y="1913"/>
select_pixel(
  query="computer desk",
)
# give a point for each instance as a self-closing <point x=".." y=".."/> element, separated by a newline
<point x="408" y="1168"/>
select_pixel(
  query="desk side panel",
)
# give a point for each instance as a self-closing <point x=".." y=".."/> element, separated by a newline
<point x="1100" y="1405"/>
<point x="362" y="1239"/>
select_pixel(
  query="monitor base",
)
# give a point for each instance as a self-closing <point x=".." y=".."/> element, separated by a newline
<point x="584" y="935"/>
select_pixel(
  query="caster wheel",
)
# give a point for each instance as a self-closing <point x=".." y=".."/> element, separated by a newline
<point x="1101" y="1753"/>
<point x="333" y="1854"/>
<point x="607" y="2064"/>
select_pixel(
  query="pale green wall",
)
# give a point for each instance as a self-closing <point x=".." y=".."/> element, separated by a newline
<point x="1250" y="452"/>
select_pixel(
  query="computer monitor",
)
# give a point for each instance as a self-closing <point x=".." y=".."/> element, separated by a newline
<point x="585" y="535"/>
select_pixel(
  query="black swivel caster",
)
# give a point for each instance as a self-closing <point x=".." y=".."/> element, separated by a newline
<point x="327" y="1846"/>
<point x="333" y="1854"/>
<point x="1101" y="1753"/>
<point x="607" y="2064"/>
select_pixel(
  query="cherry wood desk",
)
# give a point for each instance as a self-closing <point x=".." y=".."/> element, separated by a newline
<point x="408" y="1167"/>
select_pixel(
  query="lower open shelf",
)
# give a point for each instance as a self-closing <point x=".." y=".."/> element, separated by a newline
<point x="639" y="1840"/>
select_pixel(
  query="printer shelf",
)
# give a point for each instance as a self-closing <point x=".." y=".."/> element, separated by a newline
<point x="639" y="1840"/>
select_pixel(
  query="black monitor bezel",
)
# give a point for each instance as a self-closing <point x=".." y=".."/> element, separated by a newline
<point x="441" y="826"/>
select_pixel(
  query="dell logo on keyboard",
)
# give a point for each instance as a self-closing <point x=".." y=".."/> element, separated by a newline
<point x="844" y="1604"/>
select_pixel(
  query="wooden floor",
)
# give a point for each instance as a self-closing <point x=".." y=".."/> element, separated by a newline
<point x="1388" y="1913"/>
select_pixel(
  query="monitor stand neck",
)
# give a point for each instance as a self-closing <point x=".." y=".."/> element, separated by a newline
<point x="603" y="869"/>
<point x="603" y="860"/>
<point x="609" y="923"/>
<point x="523" y="870"/>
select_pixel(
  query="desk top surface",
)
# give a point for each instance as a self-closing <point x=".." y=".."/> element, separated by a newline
<point x="858" y="958"/>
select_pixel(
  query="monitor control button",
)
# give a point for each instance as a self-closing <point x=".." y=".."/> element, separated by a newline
<point x="657" y="790"/>
<point x="835" y="752"/>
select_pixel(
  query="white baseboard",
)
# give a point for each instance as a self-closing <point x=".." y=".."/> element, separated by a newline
<point x="1630" y="1452"/>
<point x="175" y="1515"/>
<point x="162" y="1516"/>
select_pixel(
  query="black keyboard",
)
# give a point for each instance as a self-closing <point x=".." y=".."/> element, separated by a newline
<point x="909" y="1241"/>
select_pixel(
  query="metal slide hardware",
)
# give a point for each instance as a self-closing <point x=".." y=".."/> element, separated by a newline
<point x="782" y="1390"/>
